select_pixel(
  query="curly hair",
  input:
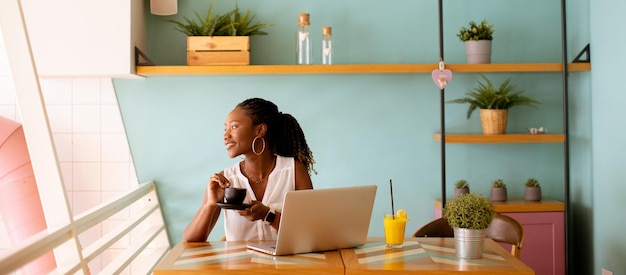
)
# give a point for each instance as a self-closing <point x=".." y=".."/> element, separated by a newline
<point x="284" y="134"/>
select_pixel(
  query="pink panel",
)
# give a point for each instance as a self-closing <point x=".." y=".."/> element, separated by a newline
<point x="20" y="205"/>
<point x="544" y="244"/>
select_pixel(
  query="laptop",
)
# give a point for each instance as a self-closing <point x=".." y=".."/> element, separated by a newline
<point x="322" y="219"/>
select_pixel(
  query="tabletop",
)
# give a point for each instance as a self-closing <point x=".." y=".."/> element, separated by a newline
<point x="429" y="256"/>
<point x="236" y="258"/>
<point x="417" y="256"/>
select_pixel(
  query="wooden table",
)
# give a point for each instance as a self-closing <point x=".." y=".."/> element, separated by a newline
<point x="418" y="256"/>
<point x="235" y="258"/>
<point x="429" y="256"/>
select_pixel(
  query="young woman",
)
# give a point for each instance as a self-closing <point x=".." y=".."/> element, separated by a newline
<point x="277" y="160"/>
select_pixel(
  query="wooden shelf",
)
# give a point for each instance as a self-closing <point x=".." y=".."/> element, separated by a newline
<point x="506" y="138"/>
<point x="354" y="69"/>
<point x="517" y="205"/>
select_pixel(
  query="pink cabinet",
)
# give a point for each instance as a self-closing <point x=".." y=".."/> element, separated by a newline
<point x="544" y="241"/>
<point x="544" y="232"/>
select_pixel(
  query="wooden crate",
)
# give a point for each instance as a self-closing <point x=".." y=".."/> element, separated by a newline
<point x="218" y="50"/>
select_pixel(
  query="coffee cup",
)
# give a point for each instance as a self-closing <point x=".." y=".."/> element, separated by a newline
<point x="234" y="195"/>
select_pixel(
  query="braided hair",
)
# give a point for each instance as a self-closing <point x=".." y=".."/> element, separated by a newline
<point x="284" y="134"/>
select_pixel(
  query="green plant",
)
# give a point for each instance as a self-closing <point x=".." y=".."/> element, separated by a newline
<point x="482" y="31"/>
<point x="233" y="23"/>
<point x="461" y="184"/>
<point x="486" y="96"/>
<point x="498" y="183"/>
<point x="471" y="211"/>
<point x="532" y="182"/>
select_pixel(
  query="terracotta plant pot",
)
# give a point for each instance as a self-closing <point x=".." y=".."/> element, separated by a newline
<point x="498" y="194"/>
<point x="461" y="191"/>
<point x="532" y="193"/>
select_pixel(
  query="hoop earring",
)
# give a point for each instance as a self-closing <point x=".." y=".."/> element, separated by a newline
<point x="254" y="150"/>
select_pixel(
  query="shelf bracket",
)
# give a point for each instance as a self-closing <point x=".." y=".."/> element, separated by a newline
<point x="586" y="53"/>
<point x="142" y="59"/>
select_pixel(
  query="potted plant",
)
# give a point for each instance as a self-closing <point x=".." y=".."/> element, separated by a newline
<point x="533" y="190"/>
<point x="219" y="39"/>
<point x="469" y="215"/>
<point x="477" y="38"/>
<point x="494" y="104"/>
<point x="498" y="190"/>
<point x="461" y="187"/>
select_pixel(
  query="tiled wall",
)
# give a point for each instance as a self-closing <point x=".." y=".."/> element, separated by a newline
<point x="91" y="146"/>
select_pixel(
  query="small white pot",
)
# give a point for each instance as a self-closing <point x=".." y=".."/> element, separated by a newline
<point x="478" y="51"/>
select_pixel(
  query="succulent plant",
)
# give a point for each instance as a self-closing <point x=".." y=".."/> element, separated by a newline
<point x="532" y="182"/>
<point x="461" y="184"/>
<point x="498" y="183"/>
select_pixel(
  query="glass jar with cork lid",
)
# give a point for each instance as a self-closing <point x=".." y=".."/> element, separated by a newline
<point x="303" y="40"/>
<point x="327" y="45"/>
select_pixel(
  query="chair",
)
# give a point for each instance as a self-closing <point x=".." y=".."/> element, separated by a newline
<point x="435" y="228"/>
<point x="505" y="229"/>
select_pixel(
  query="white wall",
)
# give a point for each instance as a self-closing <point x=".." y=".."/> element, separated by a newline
<point x="91" y="146"/>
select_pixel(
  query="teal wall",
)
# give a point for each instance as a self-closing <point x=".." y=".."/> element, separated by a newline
<point x="366" y="129"/>
<point x="609" y="244"/>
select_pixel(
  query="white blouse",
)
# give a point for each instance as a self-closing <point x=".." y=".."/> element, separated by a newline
<point x="279" y="181"/>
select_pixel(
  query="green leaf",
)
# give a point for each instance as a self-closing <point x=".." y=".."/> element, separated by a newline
<point x="233" y="23"/>
<point x="482" y="31"/>
<point x="486" y="96"/>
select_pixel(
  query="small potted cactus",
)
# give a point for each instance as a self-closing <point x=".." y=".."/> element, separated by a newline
<point x="533" y="190"/>
<point x="498" y="190"/>
<point x="461" y="187"/>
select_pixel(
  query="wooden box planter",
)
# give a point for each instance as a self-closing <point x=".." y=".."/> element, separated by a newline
<point x="218" y="50"/>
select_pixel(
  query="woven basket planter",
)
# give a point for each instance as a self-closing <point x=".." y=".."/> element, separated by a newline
<point x="494" y="121"/>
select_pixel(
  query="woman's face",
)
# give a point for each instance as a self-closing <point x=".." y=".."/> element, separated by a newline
<point x="238" y="133"/>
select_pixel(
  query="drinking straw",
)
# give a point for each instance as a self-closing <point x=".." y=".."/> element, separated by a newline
<point x="393" y="212"/>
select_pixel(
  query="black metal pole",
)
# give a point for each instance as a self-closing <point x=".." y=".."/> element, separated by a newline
<point x="442" y="115"/>
<point x="566" y="168"/>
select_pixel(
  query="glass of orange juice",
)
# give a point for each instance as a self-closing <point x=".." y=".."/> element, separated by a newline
<point x="394" y="230"/>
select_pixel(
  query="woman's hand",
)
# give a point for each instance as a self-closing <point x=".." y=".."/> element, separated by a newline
<point x="217" y="184"/>
<point x="256" y="211"/>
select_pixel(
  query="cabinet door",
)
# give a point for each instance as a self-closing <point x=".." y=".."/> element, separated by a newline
<point x="84" y="37"/>
<point x="544" y="243"/>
